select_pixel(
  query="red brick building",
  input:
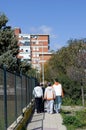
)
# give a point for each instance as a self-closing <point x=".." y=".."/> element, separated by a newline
<point x="33" y="47"/>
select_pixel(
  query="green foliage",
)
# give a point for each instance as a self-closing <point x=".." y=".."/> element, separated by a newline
<point x="82" y="115"/>
<point x="9" y="49"/>
<point x="68" y="65"/>
<point x="8" y="45"/>
<point x="3" y="20"/>
<point x="67" y="101"/>
<point x="23" y="128"/>
<point x="72" y="90"/>
<point x="72" y="120"/>
<point x="24" y="67"/>
<point x="1" y="124"/>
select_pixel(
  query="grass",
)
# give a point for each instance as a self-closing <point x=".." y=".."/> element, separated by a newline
<point x="74" y="120"/>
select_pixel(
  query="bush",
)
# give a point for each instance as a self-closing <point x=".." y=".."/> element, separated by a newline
<point x="72" y="120"/>
<point x="67" y="101"/>
<point x="82" y="116"/>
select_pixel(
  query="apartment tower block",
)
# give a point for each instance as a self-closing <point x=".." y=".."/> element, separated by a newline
<point x="34" y="48"/>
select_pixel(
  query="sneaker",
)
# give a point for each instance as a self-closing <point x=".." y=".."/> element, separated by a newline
<point x="59" y="111"/>
<point x="51" y="112"/>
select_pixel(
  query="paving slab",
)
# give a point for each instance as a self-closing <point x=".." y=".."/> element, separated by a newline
<point x="45" y="121"/>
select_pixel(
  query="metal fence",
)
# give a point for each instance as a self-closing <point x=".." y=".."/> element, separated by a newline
<point x="15" y="94"/>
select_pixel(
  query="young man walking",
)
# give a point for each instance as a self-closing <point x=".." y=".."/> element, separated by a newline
<point x="59" y="94"/>
<point x="38" y="94"/>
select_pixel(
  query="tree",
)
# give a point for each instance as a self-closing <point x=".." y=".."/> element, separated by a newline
<point x="8" y="45"/>
<point x="67" y="64"/>
<point x="9" y="49"/>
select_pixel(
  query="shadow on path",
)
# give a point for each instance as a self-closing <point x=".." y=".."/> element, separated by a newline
<point x="36" y="121"/>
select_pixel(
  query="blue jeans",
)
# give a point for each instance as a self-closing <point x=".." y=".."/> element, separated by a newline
<point x="58" y="102"/>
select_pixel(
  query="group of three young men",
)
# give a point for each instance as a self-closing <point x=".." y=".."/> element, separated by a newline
<point x="52" y="95"/>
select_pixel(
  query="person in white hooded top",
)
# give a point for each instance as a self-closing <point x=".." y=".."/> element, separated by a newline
<point x="38" y="94"/>
<point x="49" y="96"/>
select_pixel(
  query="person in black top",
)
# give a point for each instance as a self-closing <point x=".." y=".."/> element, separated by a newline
<point x="42" y="106"/>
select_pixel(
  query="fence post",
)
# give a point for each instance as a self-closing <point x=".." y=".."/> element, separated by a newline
<point x="5" y="99"/>
<point x="15" y="100"/>
<point x="26" y="90"/>
<point x="21" y="92"/>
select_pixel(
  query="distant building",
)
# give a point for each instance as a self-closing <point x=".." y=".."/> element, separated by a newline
<point x="34" y="48"/>
<point x="24" y="45"/>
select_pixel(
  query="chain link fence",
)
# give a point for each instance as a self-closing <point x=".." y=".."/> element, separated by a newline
<point x="15" y="95"/>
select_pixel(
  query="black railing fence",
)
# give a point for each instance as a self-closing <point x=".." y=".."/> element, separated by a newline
<point x="15" y="94"/>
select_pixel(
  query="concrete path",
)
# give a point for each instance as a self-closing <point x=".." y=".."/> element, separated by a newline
<point x="45" y="121"/>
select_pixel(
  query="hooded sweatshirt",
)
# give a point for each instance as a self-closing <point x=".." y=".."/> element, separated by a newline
<point x="49" y="93"/>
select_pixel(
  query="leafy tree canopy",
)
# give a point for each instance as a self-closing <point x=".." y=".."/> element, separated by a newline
<point x="68" y="64"/>
<point x="8" y="44"/>
<point x="9" y="49"/>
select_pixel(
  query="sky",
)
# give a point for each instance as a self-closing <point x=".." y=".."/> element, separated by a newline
<point x="63" y="20"/>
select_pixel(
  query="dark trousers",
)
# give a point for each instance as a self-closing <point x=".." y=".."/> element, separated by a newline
<point x="38" y="103"/>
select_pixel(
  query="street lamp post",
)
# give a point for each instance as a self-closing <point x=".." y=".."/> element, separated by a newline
<point x="42" y="65"/>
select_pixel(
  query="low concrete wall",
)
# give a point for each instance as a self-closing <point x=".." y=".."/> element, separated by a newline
<point x="26" y="116"/>
<point x="21" y="122"/>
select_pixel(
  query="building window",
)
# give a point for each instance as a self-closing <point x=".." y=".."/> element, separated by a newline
<point x="26" y="50"/>
<point x="33" y="42"/>
<point x="37" y="55"/>
<point x="21" y="49"/>
<point x="34" y="48"/>
<point x="26" y="43"/>
<point x="37" y="48"/>
<point x="37" y="42"/>
<point x="34" y="36"/>
<point x="34" y="55"/>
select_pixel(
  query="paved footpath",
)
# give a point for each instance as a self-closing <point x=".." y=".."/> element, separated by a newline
<point x="45" y="121"/>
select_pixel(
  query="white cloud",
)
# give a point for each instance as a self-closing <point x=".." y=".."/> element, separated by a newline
<point x="33" y="30"/>
<point x="53" y="36"/>
<point x="55" y="46"/>
<point x="41" y="30"/>
<point x="46" y="30"/>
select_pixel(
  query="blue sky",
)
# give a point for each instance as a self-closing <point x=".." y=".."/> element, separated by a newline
<point x="61" y="19"/>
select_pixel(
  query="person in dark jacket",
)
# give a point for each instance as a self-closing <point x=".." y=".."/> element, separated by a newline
<point x="43" y="101"/>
